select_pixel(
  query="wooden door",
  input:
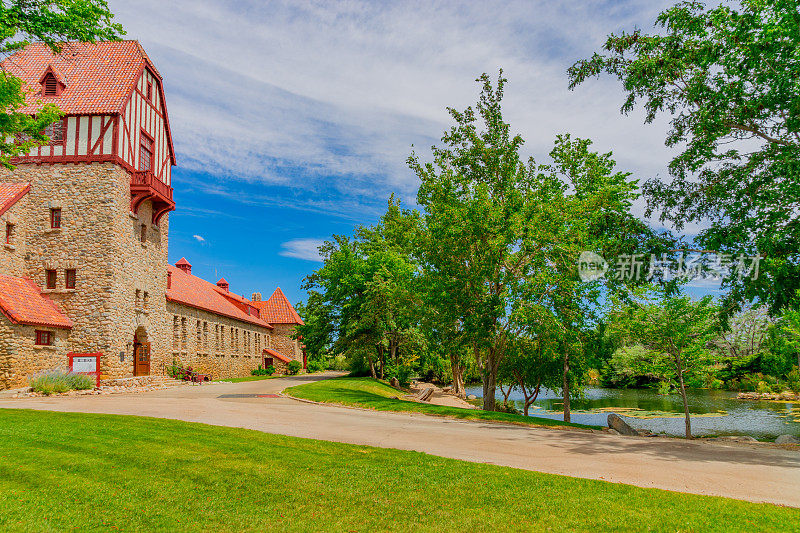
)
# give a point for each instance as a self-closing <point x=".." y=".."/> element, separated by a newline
<point x="142" y="360"/>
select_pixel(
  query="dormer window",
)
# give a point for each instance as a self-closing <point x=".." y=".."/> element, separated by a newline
<point x="51" y="83"/>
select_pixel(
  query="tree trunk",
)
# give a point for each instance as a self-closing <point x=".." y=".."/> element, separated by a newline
<point x="683" y="395"/>
<point x="457" y="370"/>
<point x="381" y="360"/>
<point x="371" y="366"/>
<point x="565" y="390"/>
<point x="489" y="389"/>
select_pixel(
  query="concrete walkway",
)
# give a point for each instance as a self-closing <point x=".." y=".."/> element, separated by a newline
<point x="754" y="473"/>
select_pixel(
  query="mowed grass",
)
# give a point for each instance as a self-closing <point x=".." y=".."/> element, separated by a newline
<point x="65" y="471"/>
<point x="373" y="394"/>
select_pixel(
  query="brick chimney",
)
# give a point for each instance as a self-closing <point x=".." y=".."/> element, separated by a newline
<point x="184" y="265"/>
<point x="222" y="284"/>
<point x="256" y="297"/>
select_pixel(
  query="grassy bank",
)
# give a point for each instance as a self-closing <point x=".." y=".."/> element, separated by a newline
<point x="374" y="394"/>
<point x="64" y="471"/>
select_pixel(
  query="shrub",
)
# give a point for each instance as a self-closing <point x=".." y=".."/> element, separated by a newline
<point x="56" y="381"/>
<point x="338" y="363"/>
<point x="763" y="387"/>
<point x="263" y="371"/>
<point x="316" y="365"/>
<point x="293" y="367"/>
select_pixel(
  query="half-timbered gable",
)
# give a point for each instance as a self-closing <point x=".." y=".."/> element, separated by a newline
<point x="114" y="109"/>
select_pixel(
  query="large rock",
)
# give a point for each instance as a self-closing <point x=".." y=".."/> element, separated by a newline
<point x="620" y="426"/>
<point x="394" y="382"/>
<point x="472" y="397"/>
<point x="787" y="439"/>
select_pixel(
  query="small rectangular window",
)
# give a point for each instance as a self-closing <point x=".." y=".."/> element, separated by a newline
<point x="70" y="276"/>
<point x="56" y="132"/>
<point x="44" y="338"/>
<point x="146" y="152"/>
<point x="143" y="233"/>
<point x="55" y="217"/>
<point x="52" y="275"/>
<point x="9" y="233"/>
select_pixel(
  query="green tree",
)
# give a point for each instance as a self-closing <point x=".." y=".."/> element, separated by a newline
<point x="674" y="330"/>
<point x="728" y="78"/>
<point x="531" y="363"/>
<point x="53" y="22"/>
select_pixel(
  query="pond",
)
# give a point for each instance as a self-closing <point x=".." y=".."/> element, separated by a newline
<point x="713" y="412"/>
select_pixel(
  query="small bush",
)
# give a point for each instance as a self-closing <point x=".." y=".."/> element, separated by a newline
<point x="293" y="367"/>
<point x="263" y="371"/>
<point x="339" y="363"/>
<point x="57" y="382"/>
<point x="315" y="365"/>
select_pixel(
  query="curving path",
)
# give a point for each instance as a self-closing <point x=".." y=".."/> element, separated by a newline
<point x="754" y="473"/>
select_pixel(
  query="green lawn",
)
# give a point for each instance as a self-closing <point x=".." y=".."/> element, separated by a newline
<point x="65" y="471"/>
<point x="374" y="394"/>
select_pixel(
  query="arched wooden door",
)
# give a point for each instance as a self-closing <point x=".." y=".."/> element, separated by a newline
<point x="141" y="359"/>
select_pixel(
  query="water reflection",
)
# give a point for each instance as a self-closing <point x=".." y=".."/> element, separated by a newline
<point x="714" y="412"/>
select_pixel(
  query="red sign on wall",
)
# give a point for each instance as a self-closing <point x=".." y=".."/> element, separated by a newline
<point x="85" y="363"/>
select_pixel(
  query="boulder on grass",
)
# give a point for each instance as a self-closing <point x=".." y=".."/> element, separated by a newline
<point x="620" y="426"/>
<point x="787" y="439"/>
<point x="394" y="383"/>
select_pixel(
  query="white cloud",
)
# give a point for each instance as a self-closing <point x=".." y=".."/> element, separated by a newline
<point x="307" y="249"/>
<point x="199" y="238"/>
<point x="326" y="98"/>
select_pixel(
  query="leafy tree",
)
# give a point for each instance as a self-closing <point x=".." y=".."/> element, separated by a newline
<point x="53" y="22"/>
<point x="673" y="329"/>
<point x="728" y="77"/>
<point x="318" y="331"/>
<point x="531" y="363"/>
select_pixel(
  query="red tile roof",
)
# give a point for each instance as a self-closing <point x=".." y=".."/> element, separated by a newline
<point x="11" y="193"/>
<point x="23" y="303"/>
<point x="99" y="77"/>
<point x="279" y="355"/>
<point x="190" y="290"/>
<point x="278" y="310"/>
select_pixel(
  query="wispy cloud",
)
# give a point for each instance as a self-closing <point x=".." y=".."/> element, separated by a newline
<point x="307" y="249"/>
<point x="199" y="238"/>
<point x="326" y="98"/>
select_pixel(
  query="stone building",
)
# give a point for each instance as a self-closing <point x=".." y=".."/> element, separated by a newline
<point x="85" y="222"/>
<point x="284" y="319"/>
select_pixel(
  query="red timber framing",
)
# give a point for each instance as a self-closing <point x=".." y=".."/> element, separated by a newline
<point x="115" y="137"/>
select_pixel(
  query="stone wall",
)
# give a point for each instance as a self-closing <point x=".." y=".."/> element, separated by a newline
<point x="12" y="256"/>
<point x="100" y="239"/>
<point x="213" y="344"/>
<point x="20" y="357"/>
<point x="282" y="342"/>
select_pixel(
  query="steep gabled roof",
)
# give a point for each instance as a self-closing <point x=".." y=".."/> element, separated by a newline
<point x="11" y="193"/>
<point x="278" y="310"/>
<point x="23" y="303"/>
<point x="98" y="78"/>
<point x="190" y="290"/>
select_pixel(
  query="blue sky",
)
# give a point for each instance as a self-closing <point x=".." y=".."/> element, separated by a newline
<point x="292" y="120"/>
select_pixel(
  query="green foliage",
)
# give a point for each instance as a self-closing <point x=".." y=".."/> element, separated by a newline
<point x="57" y="382"/>
<point x="315" y="365"/>
<point x="293" y="367"/>
<point x="673" y="331"/>
<point x="53" y="22"/>
<point x="263" y="371"/>
<point x="727" y="77"/>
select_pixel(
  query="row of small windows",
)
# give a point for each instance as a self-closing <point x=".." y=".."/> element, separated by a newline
<point x="70" y="278"/>
<point x="249" y="341"/>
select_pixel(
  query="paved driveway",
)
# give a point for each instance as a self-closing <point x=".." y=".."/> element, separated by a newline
<point x="737" y="471"/>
